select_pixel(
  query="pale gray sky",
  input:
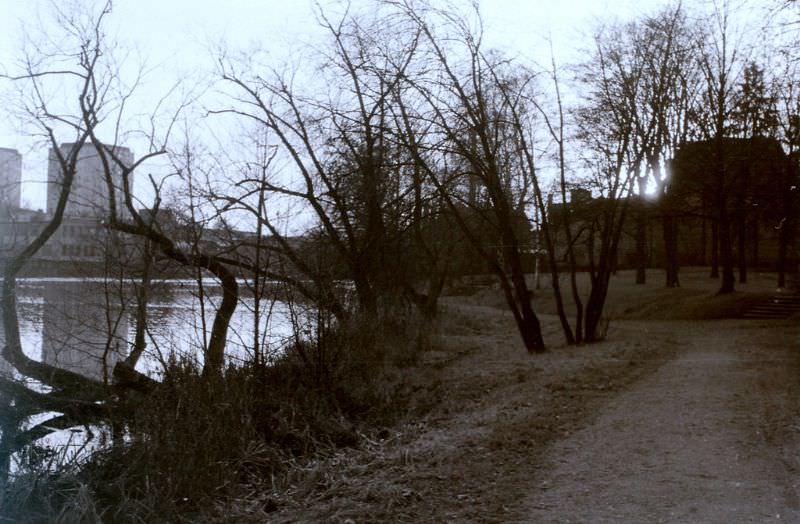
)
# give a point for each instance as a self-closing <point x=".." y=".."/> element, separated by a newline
<point x="175" y="36"/>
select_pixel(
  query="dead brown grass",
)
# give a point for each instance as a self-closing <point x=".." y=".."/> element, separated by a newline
<point x="695" y="299"/>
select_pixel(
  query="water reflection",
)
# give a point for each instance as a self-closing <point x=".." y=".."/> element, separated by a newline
<point x="84" y="328"/>
<point x="29" y="309"/>
<point x="88" y="326"/>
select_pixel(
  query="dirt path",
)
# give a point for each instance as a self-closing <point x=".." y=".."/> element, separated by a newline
<point x="710" y="437"/>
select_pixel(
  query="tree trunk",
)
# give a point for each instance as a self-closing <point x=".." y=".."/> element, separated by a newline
<point x="530" y="329"/>
<point x="741" y="247"/>
<point x="714" y="249"/>
<point x="703" y="238"/>
<point x="8" y="429"/>
<point x="435" y="287"/>
<point x="528" y="322"/>
<point x="551" y="261"/>
<point x="641" y="235"/>
<point x="786" y="226"/>
<point x="142" y="289"/>
<point x="610" y="234"/>
<point x="555" y="284"/>
<point x="427" y="302"/>
<point x="785" y="234"/>
<point x="725" y="252"/>
<point x="222" y="320"/>
<point x="783" y="243"/>
<point x="594" y="310"/>
<point x="570" y="336"/>
<point x="215" y="357"/>
<point x="754" y="258"/>
<point x="670" y="231"/>
<point x="367" y="301"/>
<point x="519" y="303"/>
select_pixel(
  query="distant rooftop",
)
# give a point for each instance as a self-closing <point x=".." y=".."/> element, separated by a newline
<point x="91" y="145"/>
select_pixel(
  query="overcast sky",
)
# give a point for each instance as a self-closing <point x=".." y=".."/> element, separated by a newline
<point x="175" y="35"/>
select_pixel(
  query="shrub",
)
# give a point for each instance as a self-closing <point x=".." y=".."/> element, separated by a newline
<point x="196" y="440"/>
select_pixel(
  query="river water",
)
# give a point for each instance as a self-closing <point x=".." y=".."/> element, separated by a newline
<point x="88" y="325"/>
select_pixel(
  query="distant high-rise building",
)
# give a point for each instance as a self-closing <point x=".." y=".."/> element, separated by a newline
<point x="89" y="192"/>
<point x="10" y="178"/>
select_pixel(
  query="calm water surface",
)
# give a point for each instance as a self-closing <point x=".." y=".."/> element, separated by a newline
<point x="87" y="326"/>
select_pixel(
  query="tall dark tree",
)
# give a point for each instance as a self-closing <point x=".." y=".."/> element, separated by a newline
<point x="468" y="97"/>
<point x="754" y="110"/>
<point x="614" y="157"/>
<point x="719" y="58"/>
<point x="753" y="115"/>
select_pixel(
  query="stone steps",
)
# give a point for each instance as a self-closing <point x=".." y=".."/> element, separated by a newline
<point x="779" y="306"/>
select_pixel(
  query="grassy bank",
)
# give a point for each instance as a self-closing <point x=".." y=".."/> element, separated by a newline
<point x="196" y="442"/>
<point x="695" y="299"/>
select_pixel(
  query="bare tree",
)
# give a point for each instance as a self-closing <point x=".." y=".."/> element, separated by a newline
<point x="670" y="84"/>
<point x="72" y="394"/>
<point x="720" y="62"/>
<point x="71" y="86"/>
<point x="465" y="96"/>
<point x="521" y="120"/>
<point x="367" y="199"/>
<point x="656" y="77"/>
<point x="614" y="157"/>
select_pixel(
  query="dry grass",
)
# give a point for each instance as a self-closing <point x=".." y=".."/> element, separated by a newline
<point x="494" y="410"/>
<point x="695" y="299"/>
<point x="199" y="444"/>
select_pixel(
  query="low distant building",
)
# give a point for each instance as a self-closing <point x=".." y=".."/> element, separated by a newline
<point x="78" y="238"/>
<point x="758" y="177"/>
<point x="584" y="213"/>
<point x="757" y="182"/>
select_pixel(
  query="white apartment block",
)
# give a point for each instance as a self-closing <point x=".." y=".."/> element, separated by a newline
<point x="10" y="178"/>
<point x="89" y="192"/>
